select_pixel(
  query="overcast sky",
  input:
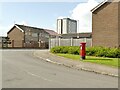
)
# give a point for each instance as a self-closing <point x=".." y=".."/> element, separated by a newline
<point x="45" y="14"/>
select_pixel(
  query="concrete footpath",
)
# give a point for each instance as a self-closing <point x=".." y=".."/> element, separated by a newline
<point x="86" y="66"/>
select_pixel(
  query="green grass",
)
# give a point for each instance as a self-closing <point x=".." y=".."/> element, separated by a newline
<point x="98" y="60"/>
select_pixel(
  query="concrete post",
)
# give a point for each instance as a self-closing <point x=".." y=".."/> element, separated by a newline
<point x="59" y="41"/>
<point x="49" y="43"/>
<point x="71" y="41"/>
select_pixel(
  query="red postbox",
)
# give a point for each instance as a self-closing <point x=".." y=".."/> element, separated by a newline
<point x="82" y="50"/>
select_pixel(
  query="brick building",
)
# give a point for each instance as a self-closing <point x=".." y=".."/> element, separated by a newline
<point x="106" y="24"/>
<point x="22" y="36"/>
<point x="3" y="42"/>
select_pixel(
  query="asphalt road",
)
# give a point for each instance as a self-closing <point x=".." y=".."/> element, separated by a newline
<point x="20" y="69"/>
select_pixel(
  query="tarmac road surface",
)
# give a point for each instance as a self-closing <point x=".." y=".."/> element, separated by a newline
<point x="20" y="69"/>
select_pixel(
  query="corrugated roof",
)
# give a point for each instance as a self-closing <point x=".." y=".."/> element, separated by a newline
<point x="51" y="32"/>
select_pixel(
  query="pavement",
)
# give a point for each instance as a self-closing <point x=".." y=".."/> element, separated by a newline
<point x="79" y="65"/>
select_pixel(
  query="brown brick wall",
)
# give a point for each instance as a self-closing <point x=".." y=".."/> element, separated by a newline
<point x="17" y="37"/>
<point x="105" y="25"/>
<point x="119" y="25"/>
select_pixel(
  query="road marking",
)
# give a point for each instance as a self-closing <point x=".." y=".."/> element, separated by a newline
<point x="48" y="60"/>
<point x="41" y="58"/>
<point x="38" y="76"/>
<point x="43" y="77"/>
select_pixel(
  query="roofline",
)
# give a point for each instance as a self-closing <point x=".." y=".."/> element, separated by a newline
<point x="99" y="5"/>
<point x="29" y="26"/>
<point x="50" y="30"/>
<point x="70" y="19"/>
<point x="19" y="28"/>
<point x="67" y="19"/>
<point x="78" y="33"/>
<point x="16" y="27"/>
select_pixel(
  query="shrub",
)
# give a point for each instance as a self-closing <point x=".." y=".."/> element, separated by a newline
<point x="101" y="52"/>
<point x="90" y="51"/>
<point x="56" y="49"/>
<point x="113" y="53"/>
<point x="74" y="50"/>
<point x="66" y="49"/>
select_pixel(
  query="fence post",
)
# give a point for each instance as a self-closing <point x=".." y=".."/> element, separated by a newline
<point x="71" y="41"/>
<point x="59" y="41"/>
<point x="56" y="41"/>
<point x="49" y="43"/>
<point x="85" y="39"/>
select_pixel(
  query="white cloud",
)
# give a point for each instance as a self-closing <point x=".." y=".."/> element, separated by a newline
<point x="4" y="29"/>
<point x="82" y="13"/>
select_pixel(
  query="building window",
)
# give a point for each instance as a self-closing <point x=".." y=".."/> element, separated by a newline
<point x="26" y="33"/>
<point x="30" y="33"/>
<point x="34" y="34"/>
<point x="46" y="35"/>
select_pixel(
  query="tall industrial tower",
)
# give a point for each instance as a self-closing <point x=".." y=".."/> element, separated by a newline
<point x="66" y="25"/>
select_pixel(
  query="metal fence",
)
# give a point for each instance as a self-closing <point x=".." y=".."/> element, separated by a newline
<point x="69" y="42"/>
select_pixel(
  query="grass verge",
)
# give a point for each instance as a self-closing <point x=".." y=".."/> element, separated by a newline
<point x="113" y="62"/>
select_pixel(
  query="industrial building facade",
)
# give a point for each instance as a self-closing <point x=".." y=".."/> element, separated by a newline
<point x="66" y="26"/>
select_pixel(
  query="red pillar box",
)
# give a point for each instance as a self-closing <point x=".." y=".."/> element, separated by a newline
<point x="82" y="50"/>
